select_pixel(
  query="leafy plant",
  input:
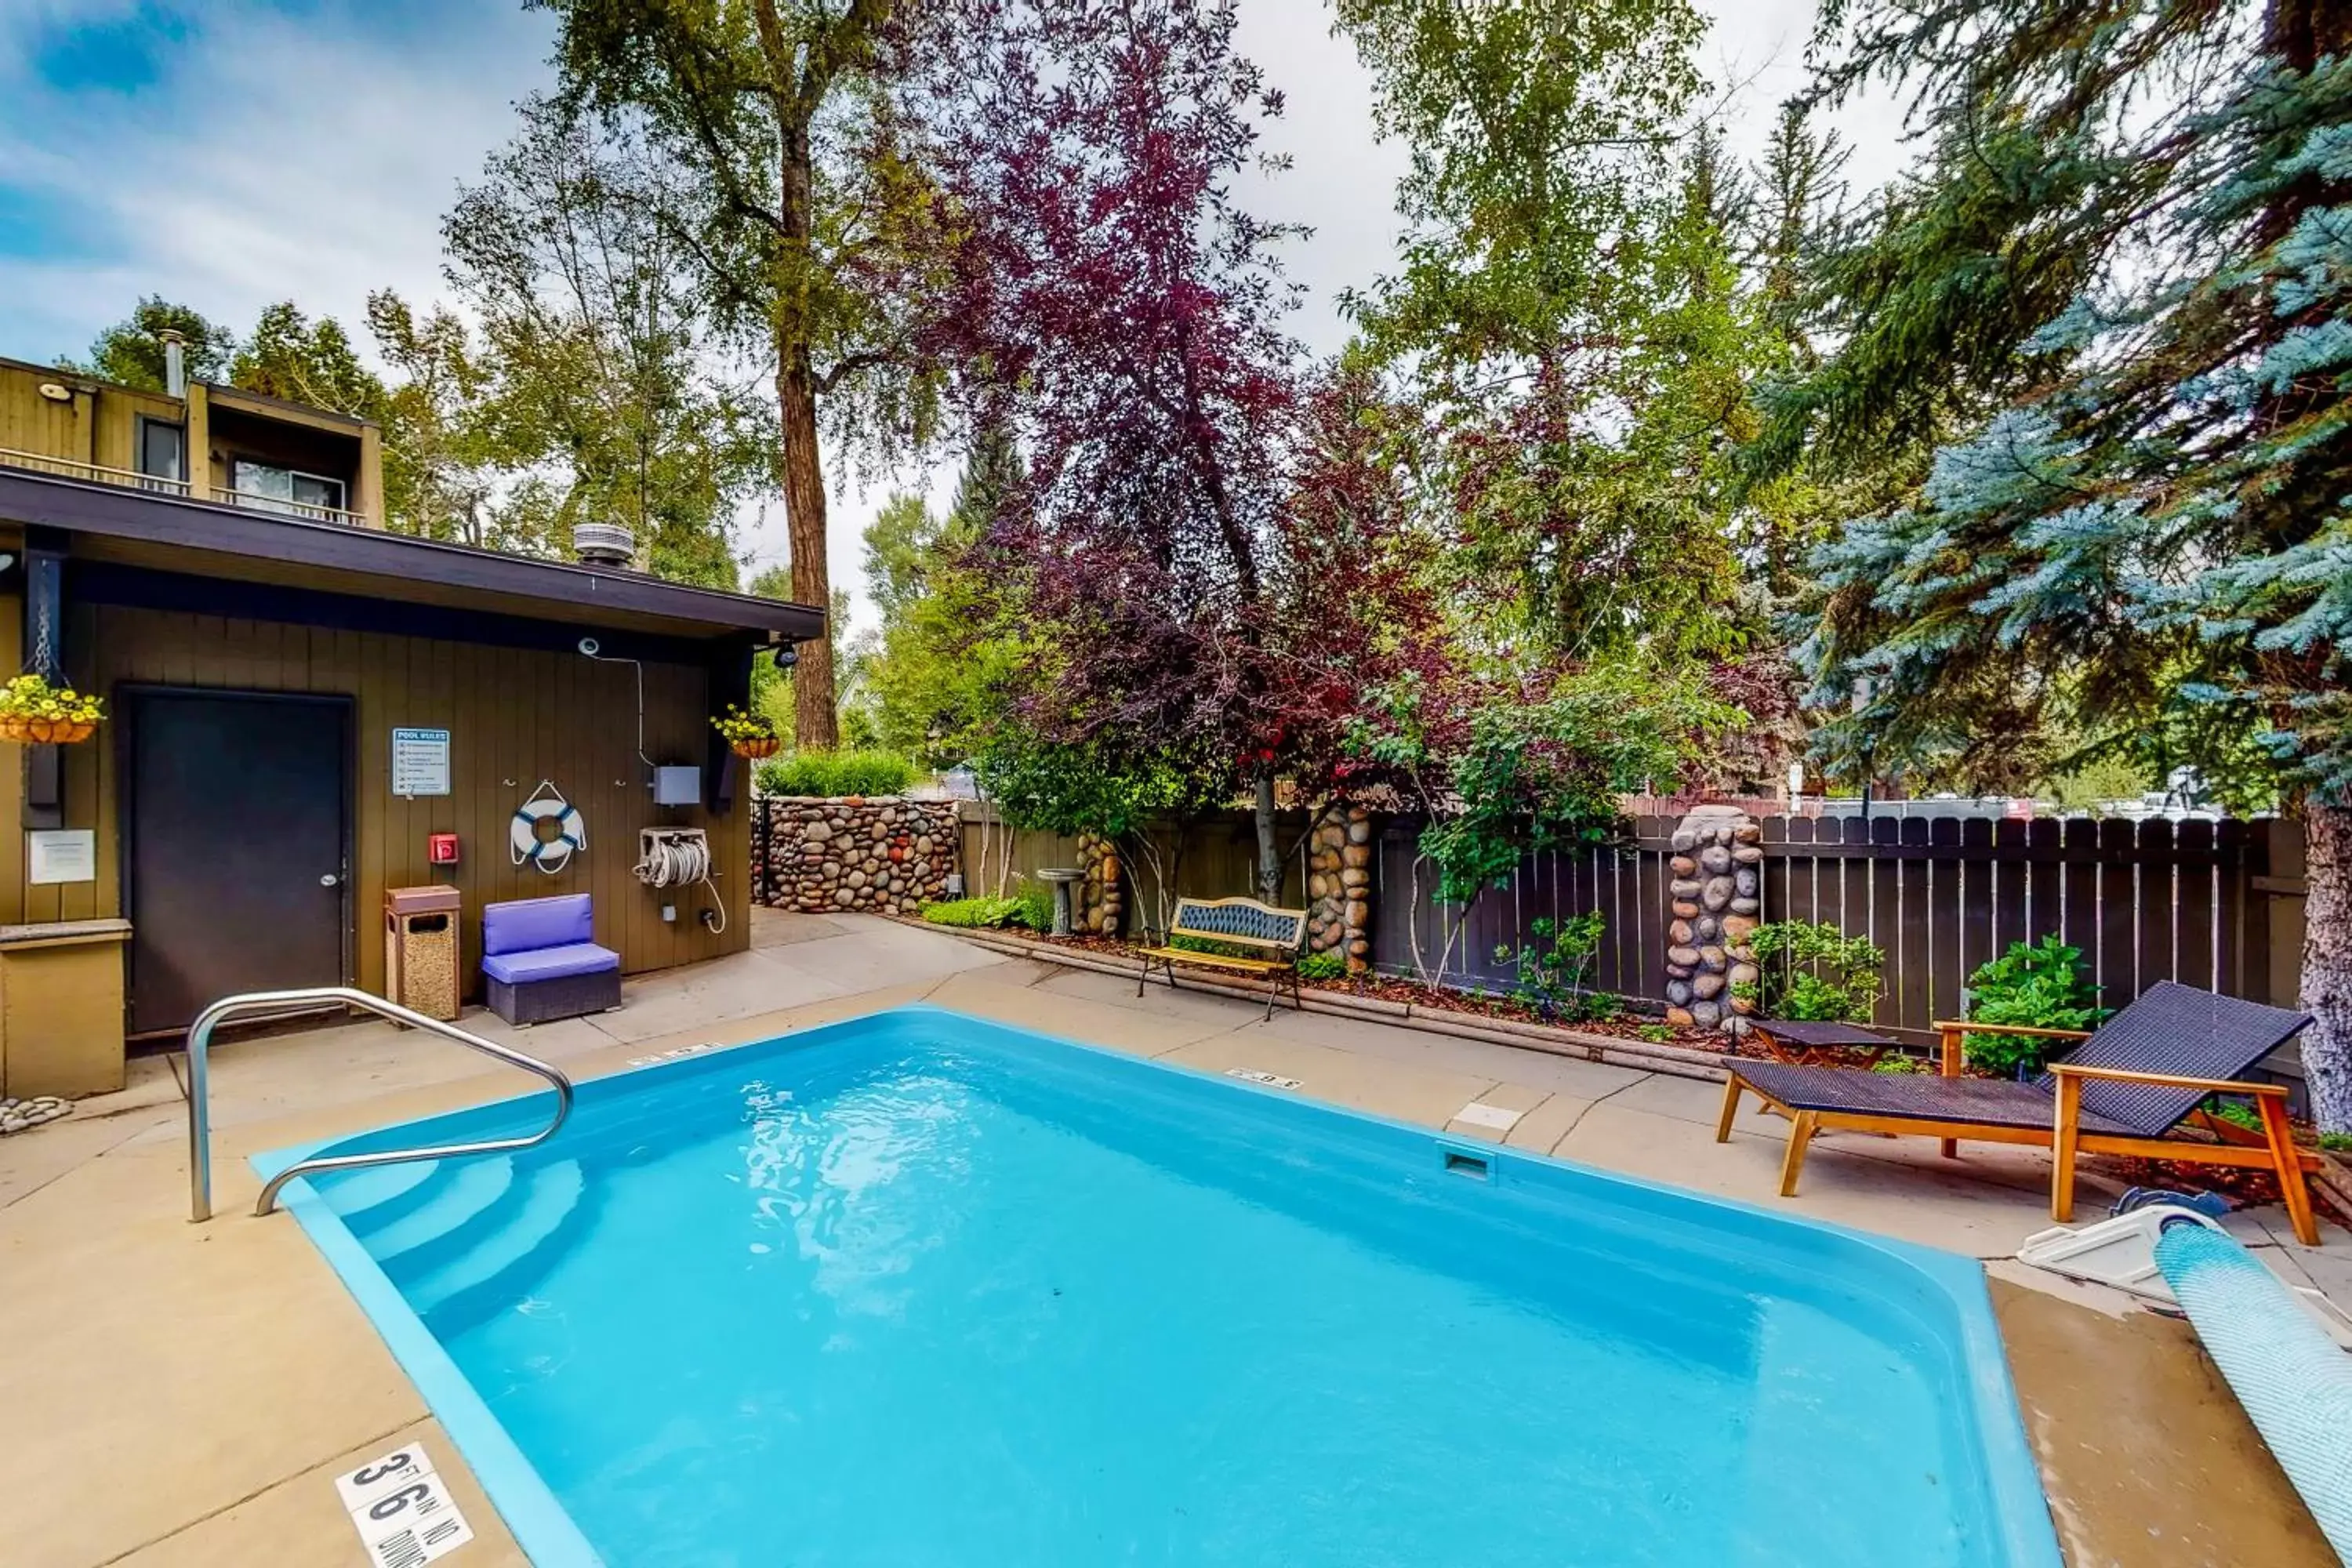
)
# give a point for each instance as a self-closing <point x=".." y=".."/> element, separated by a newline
<point x="1036" y="907"/>
<point x="1898" y="1065"/>
<point x="737" y="728"/>
<point x="832" y="774"/>
<point x="1322" y="966"/>
<point x="1656" y="1034"/>
<point x="1812" y="972"/>
<point x="31" y="697"/>
<point x="2336" y="1142"/>
<point x="1552" y="969"/>
<point x="2040" y="985"/>
<point x="2236" y="1112"/>
<point x="974" y="912"/>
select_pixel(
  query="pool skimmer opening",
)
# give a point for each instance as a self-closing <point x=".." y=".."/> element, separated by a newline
<point x="1477" y="1167"/>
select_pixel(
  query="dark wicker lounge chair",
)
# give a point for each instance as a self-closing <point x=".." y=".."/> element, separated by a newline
<point x="2123" y="1091"/>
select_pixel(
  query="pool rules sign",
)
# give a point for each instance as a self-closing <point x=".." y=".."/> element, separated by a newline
<point x="420" y="763"/>
<point x="402" y="1510"/>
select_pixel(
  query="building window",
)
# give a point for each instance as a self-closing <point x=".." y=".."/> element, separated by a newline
<point x="162" y="453"/>
<point x="286" y="489"/>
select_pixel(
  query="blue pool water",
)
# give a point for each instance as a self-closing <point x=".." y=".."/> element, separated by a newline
<point x="921" y="1290"/>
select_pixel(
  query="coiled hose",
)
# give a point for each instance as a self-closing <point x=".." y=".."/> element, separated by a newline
<point x="678" y="861"/>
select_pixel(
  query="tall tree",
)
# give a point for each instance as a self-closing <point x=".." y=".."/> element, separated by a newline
<point x="2118" y="299"/>
<point x="798" y="205"/>
<point x="599" y="365"/>
<point x="289" y="355"/>
<point x="131" y="352"/>
<point x="1119" y="310"/>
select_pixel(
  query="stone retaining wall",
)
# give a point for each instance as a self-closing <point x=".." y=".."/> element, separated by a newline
<point x="884" y="854"/>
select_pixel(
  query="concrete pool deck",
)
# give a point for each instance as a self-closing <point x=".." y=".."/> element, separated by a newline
<point x="185" y="1395"/>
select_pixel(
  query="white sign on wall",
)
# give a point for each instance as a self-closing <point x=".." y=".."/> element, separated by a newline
<point x="420" y="761"/>
<point x="65" y="854"/>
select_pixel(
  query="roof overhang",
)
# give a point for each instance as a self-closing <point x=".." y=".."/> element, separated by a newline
<point x="237" y="543"/>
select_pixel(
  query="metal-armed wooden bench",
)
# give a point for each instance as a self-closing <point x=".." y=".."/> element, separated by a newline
<point x="1245" y="922"/>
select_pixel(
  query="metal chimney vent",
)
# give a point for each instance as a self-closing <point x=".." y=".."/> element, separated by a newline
<point x="603" y="543"/>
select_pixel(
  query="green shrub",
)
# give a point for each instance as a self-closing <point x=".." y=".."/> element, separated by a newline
<point x="2336" y="1142"/>
<point x="1036" y="907"/>
<point x="973" y="911"/>
<point x="1217" y="949"/>
<point x="1553" y="968"/>
<point x="1656" y="1034"/>
<point x="2236" y="1112"/>
<point x="832" y="774"/>
<point x="1322" y="966"/>
<point x="2040" y="985"/>
<point x="1812" y="972"/>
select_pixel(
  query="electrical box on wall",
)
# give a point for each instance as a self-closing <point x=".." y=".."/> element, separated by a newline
<point x="441" y="850"/>
<point x="677" y="787"/>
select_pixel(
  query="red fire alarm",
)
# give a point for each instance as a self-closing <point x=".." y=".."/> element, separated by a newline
<point x="441" y="848"/>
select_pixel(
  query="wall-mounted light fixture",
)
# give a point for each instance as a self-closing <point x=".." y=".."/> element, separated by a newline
<point x="57" y="391"/>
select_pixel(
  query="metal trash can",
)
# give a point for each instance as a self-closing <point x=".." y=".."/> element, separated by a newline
<point x="420" y="948"/>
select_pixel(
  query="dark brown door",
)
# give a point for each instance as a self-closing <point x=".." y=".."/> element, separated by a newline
<point x="235" y="826"/>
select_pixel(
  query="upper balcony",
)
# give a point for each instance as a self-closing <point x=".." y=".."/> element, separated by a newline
<point x="250" y="451"/>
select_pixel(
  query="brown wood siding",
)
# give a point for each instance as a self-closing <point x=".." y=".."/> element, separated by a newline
<point x="514" y="714"/>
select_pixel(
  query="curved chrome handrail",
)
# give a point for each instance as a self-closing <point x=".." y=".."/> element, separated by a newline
<point x="200" y="1040"/>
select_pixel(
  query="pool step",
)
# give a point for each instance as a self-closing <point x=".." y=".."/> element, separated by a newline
<point x="467" y="1195"/>
<point x="499" y="1261"/>
<point x="371" y="1198"/>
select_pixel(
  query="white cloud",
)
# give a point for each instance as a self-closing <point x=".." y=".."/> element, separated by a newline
<point x="276" y="158"/>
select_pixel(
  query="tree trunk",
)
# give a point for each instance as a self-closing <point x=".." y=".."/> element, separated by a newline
<point x="2327" y="963"/>
<point x="1269" y="858"/>
<point x="815" y="724"/>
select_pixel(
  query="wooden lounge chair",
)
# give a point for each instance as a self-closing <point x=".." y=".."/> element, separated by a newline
<point x="2123" y="1091"/>
<point x="1244" y="922"/>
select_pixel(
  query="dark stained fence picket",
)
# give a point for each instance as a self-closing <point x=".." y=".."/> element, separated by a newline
<point x="2209" y="904"/>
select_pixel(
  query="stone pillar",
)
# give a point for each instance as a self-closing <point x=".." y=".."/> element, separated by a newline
<point x="1339" y="886"/>
<point x="1100" y="901"/>
<point x="1718" y="870"/>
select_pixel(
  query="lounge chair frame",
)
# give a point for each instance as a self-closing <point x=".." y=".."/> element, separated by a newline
<point x="2066" y="1136"/>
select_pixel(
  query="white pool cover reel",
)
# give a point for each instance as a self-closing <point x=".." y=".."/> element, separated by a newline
<point x="546" y="803"/>
<point x="2296" y="1385"/>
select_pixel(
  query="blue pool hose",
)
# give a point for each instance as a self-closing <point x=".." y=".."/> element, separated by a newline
<point x="2295" y="1383"/>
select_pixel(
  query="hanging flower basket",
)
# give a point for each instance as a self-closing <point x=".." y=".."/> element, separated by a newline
<point x="750" y="734"/>
<point x="34" y="713"/>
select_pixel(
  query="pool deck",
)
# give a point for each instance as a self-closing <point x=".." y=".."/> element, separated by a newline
<point x="185" y="1395"/>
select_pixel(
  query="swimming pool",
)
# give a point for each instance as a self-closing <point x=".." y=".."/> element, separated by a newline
<point x="921" y="1289"/>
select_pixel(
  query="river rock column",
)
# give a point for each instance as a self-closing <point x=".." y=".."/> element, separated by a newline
<point x="1101" y="901"/>
<point x="1339" y="886"/>
<point x="1717" y="867"/>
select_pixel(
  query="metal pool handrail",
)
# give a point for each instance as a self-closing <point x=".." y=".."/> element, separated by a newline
<point x="200" y="1040"/>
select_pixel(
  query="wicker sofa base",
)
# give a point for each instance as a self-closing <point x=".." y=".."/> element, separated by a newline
<point x="544" y="1001"/>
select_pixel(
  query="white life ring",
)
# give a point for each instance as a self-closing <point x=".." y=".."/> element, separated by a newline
<point x="550" y="855"/>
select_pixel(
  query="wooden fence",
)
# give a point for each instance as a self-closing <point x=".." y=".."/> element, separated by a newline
<point x="2217" y="905"/>
<point x="1217" y="858"/>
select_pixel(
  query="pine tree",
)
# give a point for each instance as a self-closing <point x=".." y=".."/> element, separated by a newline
<point x="2116" y="304"/>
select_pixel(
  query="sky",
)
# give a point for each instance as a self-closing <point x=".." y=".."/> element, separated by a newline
<point x="229" y="153"/>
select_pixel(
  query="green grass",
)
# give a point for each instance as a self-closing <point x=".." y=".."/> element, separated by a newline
<point x="832" y="774"/>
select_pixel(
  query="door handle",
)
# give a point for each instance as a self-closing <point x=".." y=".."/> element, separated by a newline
<point x="329" y="880"/>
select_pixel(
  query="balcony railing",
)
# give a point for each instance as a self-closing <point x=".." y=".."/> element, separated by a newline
<point x="253" y="500"/>
<point x="222" y="495"/>
<point x="94" y="473"/>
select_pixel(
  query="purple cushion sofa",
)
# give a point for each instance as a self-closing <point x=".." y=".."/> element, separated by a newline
<point x="540" y="961"/>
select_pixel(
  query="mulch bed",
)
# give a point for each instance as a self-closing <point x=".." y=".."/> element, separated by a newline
<point x="1438" y="998"/>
